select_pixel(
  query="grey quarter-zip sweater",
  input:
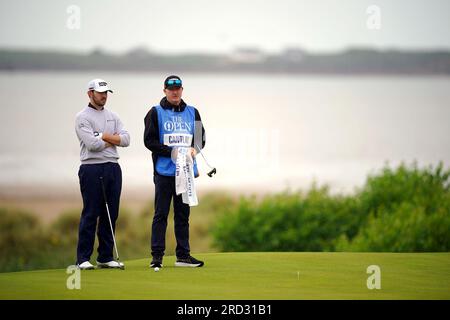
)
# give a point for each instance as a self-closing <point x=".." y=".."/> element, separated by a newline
<point x="90" y="123"/>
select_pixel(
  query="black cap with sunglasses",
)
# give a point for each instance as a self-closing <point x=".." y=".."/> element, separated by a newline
<point x="172" y="82"/>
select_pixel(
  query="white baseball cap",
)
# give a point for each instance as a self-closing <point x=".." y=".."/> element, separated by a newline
<point x="98" y="85"/>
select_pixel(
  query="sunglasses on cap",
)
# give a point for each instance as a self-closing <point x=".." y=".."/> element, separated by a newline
<point x="172" y="82"/>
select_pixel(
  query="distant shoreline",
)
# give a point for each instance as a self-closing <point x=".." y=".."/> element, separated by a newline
<point x="234" y="73"/>
<point x="360" y="61"/>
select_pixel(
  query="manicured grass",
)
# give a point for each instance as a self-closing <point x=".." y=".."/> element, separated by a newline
<point x="287" y="275"/>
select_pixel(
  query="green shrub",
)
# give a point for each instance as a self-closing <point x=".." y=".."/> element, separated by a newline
<point x="406" y="229"/>
<point x="21" y="238"/>
<point x="420" y="187"/>
<point x="288" y="222"/>
<point x="402" y="209"/>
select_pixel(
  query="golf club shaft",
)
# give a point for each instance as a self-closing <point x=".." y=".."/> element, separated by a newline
<point x="109" y="218"/>
<point x="200" y="151"/>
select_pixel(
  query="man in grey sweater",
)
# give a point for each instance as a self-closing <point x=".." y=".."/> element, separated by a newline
<point x="100" y="132"/>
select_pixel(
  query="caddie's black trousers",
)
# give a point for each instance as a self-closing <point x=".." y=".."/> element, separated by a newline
<point x="94" y="209"/>
<point x="164" y="192"/>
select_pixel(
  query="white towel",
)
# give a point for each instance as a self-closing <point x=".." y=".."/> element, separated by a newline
<point x="184" y="177"/>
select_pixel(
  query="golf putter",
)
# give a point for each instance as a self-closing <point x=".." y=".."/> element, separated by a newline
<point x="213" y="169"/>
<point x="110" y="223"/>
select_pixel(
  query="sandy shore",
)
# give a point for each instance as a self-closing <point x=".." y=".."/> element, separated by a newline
<point x="50" y="202"/>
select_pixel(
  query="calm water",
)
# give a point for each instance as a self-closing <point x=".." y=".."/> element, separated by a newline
<point x="263" y="132"/>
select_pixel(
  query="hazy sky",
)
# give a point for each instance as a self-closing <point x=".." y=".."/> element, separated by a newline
<point x="221" y="26"/>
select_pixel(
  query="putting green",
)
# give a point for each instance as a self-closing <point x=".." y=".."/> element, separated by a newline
<point x="286" y="275"/>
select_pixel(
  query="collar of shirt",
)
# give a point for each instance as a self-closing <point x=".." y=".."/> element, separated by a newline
<point x="91" y="106"/>
<point x="167" y="105"/>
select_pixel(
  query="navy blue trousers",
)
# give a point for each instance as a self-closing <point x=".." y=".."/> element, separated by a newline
<point x="164" y="192"/>
<point x="94" y="209"/>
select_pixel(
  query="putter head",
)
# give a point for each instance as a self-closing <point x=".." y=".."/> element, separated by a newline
<point x="212" y="172"/>
<point x="122" y="266"/>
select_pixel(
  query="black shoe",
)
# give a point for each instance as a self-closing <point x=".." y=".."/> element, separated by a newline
<point x="156" y="262"/>
<point x="188" y="262"/>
